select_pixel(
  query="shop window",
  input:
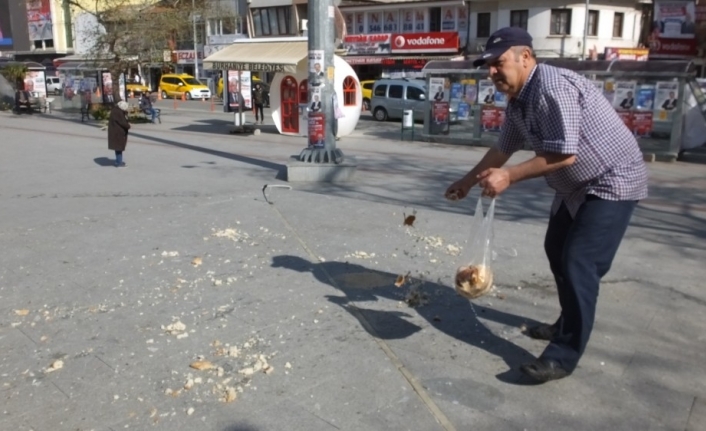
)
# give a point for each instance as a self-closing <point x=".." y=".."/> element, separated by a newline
<point x="272" y="21"/>
<point x="396" y="92"/>
<point x="350" y="91"/>
<point x="560" y="24"/>
<point x="518" y="18"/>
<point x="483" y="29"/>
<point x="304" y="91"/>
<point x="592" y="29"/>
<point x="618" y="19"/>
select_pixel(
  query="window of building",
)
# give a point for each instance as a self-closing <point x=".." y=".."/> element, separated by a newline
<point x="483" y="29"/>
<point x="560" y="22"/>
<point x="380" y="90"/>
<point x="519" y="18"/>
<point x="350" y="91"/>
<point x="44" y="44"/>
<point x="272" y="21"/>
<point x="434" y="19"/>
<point x="592" y="23"/>
<point x="618" y="20"/>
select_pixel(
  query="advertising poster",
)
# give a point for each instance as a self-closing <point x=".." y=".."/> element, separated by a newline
<point x="239" y="90"/>
<point x="486" y="92"/>
<point x="35" y="83"/>
<point x="464" y="111"/>
<point x="316" y="67"/>
<point x="666" y="99"/>
<point x="5" y="25"/>
<point x="448" y="19"/>
<point x="490" y="118"/>
<point x="39" y="20"/>
<point x="368" y="44"/>
<point x="456" y="92"/>
<point x="673" y="32"/>
<point x="624" y="97"/>
<point x="121" y="85"/>
<point x="645" y="97"/>
<point x="471" y="91"/>
<point x="626" y="116"/>
<point x="438" y="90"/>
<point x="317" y="133"/>
<point x="500" y="99"/>
<point x="440" y="118"/>
<point x="642" y="124"/>
<point x="636" y="54"/>
<point x="108" y="87"/>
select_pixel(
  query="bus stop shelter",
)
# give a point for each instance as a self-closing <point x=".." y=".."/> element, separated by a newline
<point x="656" y="93"/>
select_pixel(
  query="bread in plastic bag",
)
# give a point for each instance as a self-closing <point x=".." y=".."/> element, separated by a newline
<point x="476" y="278"/>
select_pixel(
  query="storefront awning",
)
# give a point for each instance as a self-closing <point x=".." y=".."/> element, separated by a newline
<point x="259" y="57"/>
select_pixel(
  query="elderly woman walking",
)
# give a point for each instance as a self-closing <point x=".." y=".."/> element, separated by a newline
<point x="117" y="131"/>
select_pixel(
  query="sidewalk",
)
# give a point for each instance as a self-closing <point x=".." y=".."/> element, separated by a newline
<point x="128" y="276"/>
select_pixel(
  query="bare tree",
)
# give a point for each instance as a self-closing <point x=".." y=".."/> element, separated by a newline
<point x="130" y="32"/>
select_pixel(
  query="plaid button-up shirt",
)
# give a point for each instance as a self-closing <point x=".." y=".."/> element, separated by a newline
<point x="561" y="112"/>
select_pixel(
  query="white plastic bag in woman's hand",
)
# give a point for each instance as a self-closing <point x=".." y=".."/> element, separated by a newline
<point x="476" y="278"/>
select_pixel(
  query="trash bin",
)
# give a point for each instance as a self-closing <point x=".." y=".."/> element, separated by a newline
<point x="407" y="119"/>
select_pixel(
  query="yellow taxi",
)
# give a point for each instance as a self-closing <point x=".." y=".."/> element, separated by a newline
<point x="367" y="92"/>
<point x="134" y="87"/>
<point x="174" y="85"/>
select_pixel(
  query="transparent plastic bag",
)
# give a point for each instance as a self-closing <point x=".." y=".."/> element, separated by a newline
<point x="475" y="279"/>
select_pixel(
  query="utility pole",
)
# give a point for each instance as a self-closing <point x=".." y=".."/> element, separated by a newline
<point x="585" y="32"/>
<point x="322" y="141"/>
<point x="196" y="53"/>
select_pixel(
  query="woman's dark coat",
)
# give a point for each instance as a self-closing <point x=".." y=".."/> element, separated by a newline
<point x="117" y="129"/>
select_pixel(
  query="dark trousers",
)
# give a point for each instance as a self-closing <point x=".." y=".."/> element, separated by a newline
<point x="580" y="253"/>
<point x="259" y="108"/>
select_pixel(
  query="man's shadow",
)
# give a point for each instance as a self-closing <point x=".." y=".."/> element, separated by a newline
<point x="446" y="311"/>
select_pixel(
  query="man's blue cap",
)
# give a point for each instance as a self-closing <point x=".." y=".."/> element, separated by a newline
<point x="501" y="41"/>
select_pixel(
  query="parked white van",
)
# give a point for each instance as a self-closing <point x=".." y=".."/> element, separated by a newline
<point x="391" y="97"/>
<point x="54" y="85"/>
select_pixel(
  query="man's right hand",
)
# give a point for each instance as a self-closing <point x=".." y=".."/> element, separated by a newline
<point x="458" y="190"/>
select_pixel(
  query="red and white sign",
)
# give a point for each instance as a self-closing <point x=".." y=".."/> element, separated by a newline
<point x="368" y="44"/>
<point x="186" y="57"/>
<point x="673" y="32"/>
<point x="425" y="42"/>
<point x="638" y="54"/>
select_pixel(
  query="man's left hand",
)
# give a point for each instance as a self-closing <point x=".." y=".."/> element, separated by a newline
<point x="494" y="181"/>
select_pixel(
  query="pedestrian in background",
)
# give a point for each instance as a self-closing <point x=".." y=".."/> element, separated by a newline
<point x="258" y="96"/>
<point x="146" y="106"/>
<point x="587" y="155"/>
<point x="117" y="131"/>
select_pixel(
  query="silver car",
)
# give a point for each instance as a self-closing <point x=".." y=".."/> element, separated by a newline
<point x="391" y="97"/>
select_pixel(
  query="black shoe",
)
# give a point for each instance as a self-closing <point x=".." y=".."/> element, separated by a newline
<point x="542" y="332"/>
<point x="121" y="165"/>
<point x="544" y="370"/>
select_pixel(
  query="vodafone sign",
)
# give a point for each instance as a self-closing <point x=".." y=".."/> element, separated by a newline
<point x="425" y="42"/>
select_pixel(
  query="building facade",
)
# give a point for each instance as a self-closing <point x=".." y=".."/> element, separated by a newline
<point x="35" y="30"/>
<point x="557" y="27"/>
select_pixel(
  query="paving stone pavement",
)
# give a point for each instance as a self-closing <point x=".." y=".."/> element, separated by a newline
<point x="114" y="281"/>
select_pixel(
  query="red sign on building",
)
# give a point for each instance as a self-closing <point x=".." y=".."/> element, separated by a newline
<point x="425" y="42"/>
